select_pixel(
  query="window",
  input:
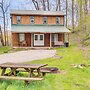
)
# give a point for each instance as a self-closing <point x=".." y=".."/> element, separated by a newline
<point x="21" y="37"/>
<point x="41" y="37"/>
<point x="44" y="20"/>
<point x="18" y="19"/>
<point x="36" y="37"/>
<point x="57" y="20"/>
<point x="55" y="37"/>
<point x="32" y="19"/>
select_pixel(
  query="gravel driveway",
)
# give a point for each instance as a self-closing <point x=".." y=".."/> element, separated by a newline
<point x="24" y="56"/>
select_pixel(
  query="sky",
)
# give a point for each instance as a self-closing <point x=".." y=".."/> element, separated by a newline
<point x="21" y="4"/>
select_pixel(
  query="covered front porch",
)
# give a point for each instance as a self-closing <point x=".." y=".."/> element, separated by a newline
<point x="45" y="37"/>
<point x="38" y="40"/>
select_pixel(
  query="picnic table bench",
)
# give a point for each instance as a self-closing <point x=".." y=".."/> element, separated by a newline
<point x="29" y="68"/>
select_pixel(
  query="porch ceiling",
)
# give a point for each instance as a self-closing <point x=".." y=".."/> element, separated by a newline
<point x="39" y="29"/>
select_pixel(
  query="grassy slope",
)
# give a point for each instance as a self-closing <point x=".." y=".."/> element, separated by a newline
<point x="74" y="78"/>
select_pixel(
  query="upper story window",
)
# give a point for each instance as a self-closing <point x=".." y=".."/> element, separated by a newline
<point x="45" y="20"/>
<point x="32" y="19"/>
<point x="57" y="20"/>
<point x="18" y="19"/>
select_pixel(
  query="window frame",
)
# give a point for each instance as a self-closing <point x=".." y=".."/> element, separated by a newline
<point x="18" y="19"/>
<point x="32" y="19"/>
<point x="57" y="20"/>
<point x="45" y="18"/>
<point x="21" y="39"/>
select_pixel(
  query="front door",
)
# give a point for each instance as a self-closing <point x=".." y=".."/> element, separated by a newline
<point x="38" y="39"/>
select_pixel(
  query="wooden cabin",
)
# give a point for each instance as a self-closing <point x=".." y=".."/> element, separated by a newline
<point x="37" y="28"/>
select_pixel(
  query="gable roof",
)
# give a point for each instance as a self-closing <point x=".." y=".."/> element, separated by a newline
<point x="37" y="12"/>
<point x="39" y="29"/>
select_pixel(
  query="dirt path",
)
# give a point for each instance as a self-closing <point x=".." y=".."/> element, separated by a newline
<point x="24" y="56"/>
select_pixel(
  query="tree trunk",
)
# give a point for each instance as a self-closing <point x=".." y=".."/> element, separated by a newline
<point x="44" y="6"/>
<point x="66" y="11"/>
<point x="48" y="5"/>
<point x="72" y="15"/>
<point x="35" y="4"/>
<point x="4" y="28"/>
<point x="80" y="22"/>
<point x="58" y="5"/>
<point x="1" y="37"/>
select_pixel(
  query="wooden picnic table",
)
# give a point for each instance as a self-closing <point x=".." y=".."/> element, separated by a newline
<point x="27" y="67"/>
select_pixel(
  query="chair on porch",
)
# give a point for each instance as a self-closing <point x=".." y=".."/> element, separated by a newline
<point x="23" y="43"/>
<point x="59" y="43"/>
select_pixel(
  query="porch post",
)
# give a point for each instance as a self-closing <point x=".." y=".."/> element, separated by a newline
<point x="68" y="37"/>
<point x="50" y="40"/>
<point x="31" y="39"/>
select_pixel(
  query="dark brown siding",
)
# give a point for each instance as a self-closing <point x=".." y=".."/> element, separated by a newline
<point x="47" y="40"/>
<point x="15" y="39"/>
<point x="28" y="39"/>
<point x="61" y="37"/>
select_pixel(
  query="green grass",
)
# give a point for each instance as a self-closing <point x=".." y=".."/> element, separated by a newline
<point x="73" y="79"/>
<point x="4" y="49"/>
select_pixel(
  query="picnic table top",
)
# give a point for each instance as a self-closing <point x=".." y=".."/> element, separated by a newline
<point x="22" y="65"/>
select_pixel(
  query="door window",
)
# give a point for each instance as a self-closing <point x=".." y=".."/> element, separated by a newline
<point x="41" y="37"/>
<point x="36" y="37"/>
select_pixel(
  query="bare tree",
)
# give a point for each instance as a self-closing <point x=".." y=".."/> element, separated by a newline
<point x="35" y="4"/>
<point x="4" y="10"/>
<point x="48" y="5"/>
<point x="58" y="5"/>
<point x="66" y="11"/>
<point x="1" y="36"/>
<point x="72" y="15"/>
<point x="44" y="6"/>
<point x="80" y="16"/>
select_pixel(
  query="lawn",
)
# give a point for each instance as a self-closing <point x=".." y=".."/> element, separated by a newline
<point x="71" y="79"/>
<point x="4" y="49"/>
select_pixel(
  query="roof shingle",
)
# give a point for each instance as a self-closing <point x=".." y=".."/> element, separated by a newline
<point x="37" y="12"/>
<point x="39" y="28"/>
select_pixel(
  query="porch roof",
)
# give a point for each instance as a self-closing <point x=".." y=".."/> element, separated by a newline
<point x="39" y="29"/>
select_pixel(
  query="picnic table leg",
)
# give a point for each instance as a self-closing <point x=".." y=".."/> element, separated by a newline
<point x="3" y="71"/>
<point x="30" y="74"/>
<point x="39" y="73"/>
<point x="12" y="72"/>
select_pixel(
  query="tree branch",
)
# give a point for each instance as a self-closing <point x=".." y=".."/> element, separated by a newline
<point x="35" y="4"/>
<point x="7" y="7"/>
